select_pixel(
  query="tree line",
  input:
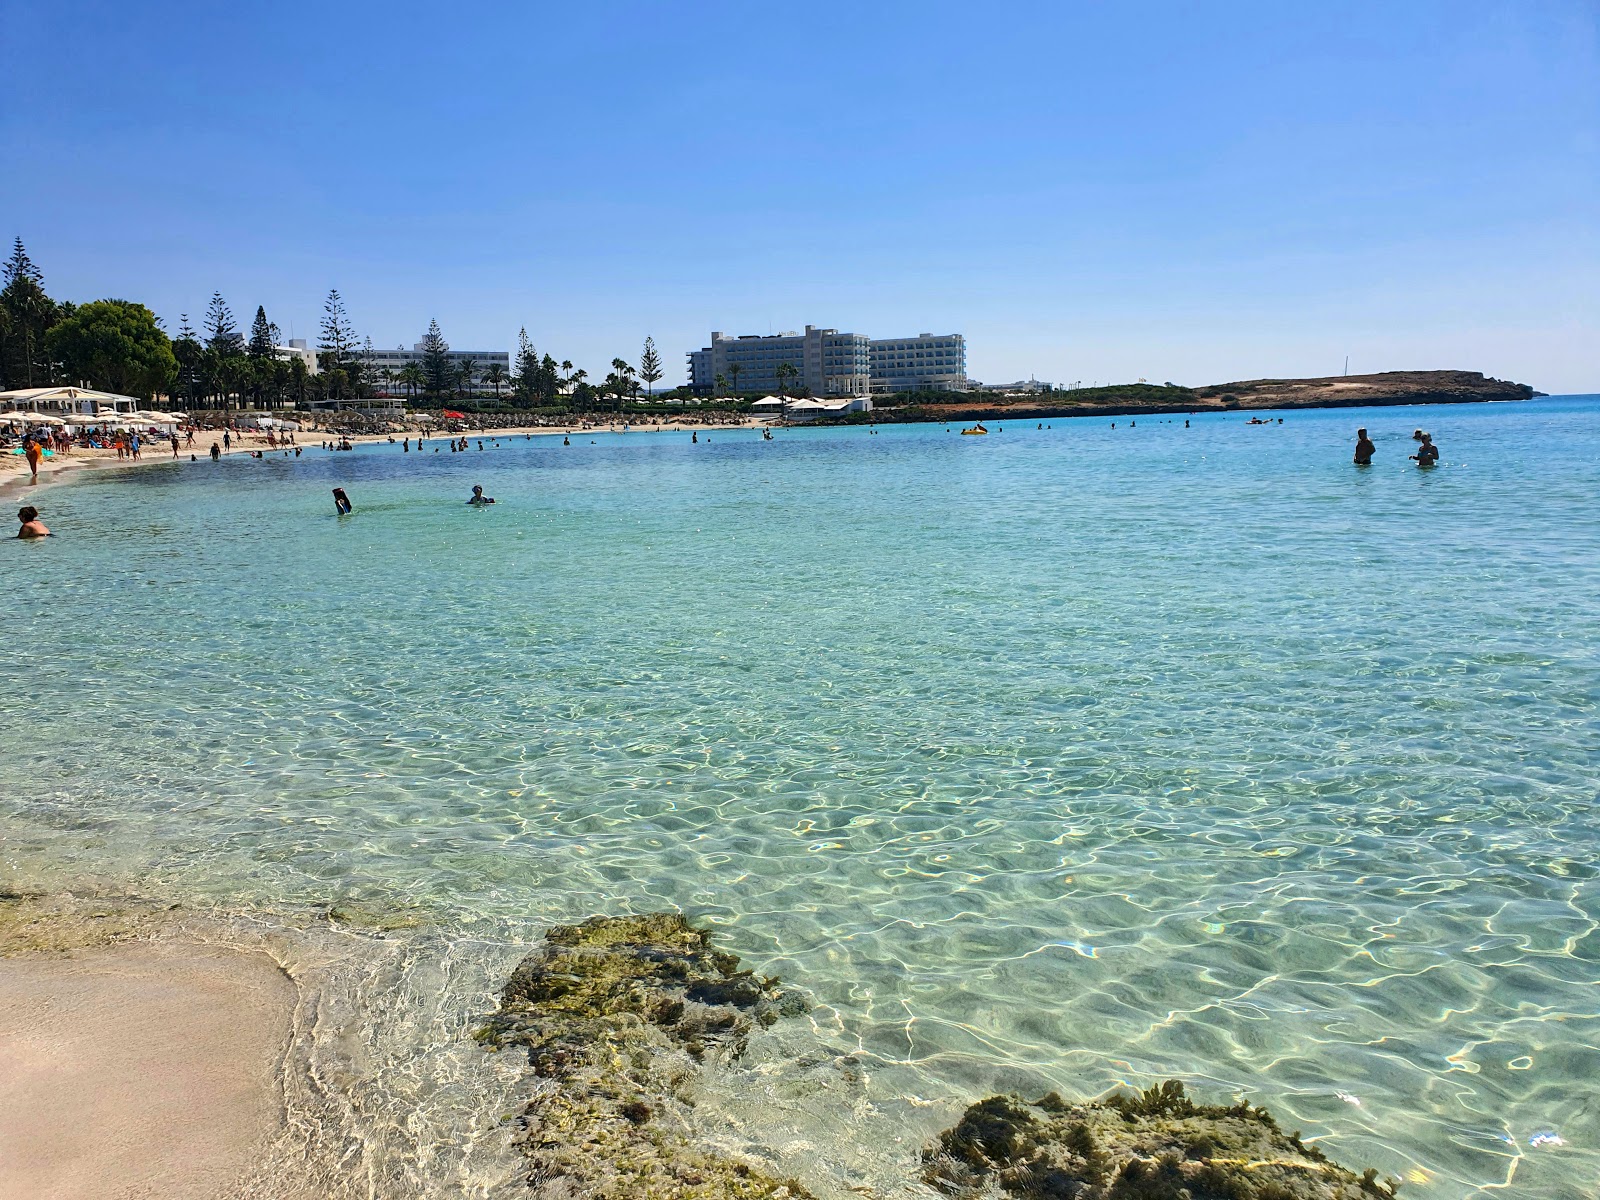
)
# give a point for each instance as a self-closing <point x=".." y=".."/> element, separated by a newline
<point x="122" y="346"/>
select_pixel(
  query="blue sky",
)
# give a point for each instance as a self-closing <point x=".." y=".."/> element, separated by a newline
<point x="1188" y="191"/>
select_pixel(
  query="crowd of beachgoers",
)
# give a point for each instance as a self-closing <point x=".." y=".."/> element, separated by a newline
<point x="42" y="449"/>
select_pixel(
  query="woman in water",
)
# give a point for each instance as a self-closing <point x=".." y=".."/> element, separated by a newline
<point x="32" y="527"/>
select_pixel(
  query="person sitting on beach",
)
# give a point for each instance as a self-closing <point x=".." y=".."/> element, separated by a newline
<point x="341" y="502"/>
<point x="1427" y="454"/>
<point x="478" y="497"/>
<point x="32" y="527"/>
<point x="1364" y="449"/>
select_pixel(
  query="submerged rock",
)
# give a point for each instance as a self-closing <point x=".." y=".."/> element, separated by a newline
<point x="618" y="1013"/>
<point x="1156" y="1146"/>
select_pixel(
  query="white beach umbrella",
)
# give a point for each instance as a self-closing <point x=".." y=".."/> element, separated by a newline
<point x="44" y="419"/>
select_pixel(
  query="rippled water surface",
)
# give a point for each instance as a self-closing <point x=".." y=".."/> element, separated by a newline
<point x="1056" y="758"/>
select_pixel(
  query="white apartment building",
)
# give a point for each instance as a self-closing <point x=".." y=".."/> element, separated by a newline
<point x="830" y="363"/>
<point x="297" y="348"/>
<point x="826" y="362"/>
<point x="925" y="363"/>
<point x="398" y="359"/>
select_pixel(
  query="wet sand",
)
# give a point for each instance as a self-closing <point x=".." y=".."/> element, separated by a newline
<point x="139" y="1070"/>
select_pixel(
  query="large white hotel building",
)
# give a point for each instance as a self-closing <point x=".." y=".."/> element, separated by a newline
<point x="398" y="359"/>
<point x="830" y="363"/>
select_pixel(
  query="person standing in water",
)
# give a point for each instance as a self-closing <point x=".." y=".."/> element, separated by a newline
<point x="1427" y="454"/>
<point x="478" y="497"/>
<point x="32" y="527"/>
<point x="216" y="452"/>
<point x="1364" y="449"/>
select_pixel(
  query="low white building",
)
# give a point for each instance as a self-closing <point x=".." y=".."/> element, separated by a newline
<point x="297" y="348"/>
<point x="66" y="401"/>
<point x="807" y="408"/>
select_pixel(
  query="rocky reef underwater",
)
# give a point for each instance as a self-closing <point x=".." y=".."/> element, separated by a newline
<point x="619" y="1015"/>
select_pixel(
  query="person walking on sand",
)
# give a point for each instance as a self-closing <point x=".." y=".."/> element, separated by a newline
<point x="1364" y="449"/>
<point x="32" y="452"/>
<point x="227" y="442"/>
<point x="32" y="527"/>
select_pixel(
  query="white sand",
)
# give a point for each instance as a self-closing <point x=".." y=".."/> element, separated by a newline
<point x="138" y="1071"/>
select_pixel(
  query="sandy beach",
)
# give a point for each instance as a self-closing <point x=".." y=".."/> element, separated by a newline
<point x="131" y="1064"/>
<point x="138" y="1070"/>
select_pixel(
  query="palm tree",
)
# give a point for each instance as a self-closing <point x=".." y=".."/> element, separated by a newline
<point x="785" y="371"/>
<point x="566" y="372"/>
<point x="413" y="377"/>
<point x="495" y="375"/>
<point x="386" y="376"/>
<point x="733" y="372"/>
<point x="720" y="385"/>
<point x="625" y="383"/>
<point x="466" y="370"/>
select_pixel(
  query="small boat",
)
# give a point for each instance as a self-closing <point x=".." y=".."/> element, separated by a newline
<point x="976" y="431"/>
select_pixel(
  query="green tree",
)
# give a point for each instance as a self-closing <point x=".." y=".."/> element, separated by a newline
<point x="222" y="334"/>
<point x="549" y="380"/>
<point x="413" y="377"/>
<point x="436" y="361"/>
<point x="299" y="378"/>
<point x="719" y="385"/>
<point x="26" y="315"/>
<point x="494" y="377"/>
<point x="623" y="380"/>
<point x="525" y="373"/>
<point x="262" y="343"/>
<point x="784" y="372"/>
<point x="336" y="345"/>
<point x="650" y="365"/>
<point x="466" y="374"/>
<point x="190" y="356"/>
<point x="116" y="345"/>
<point x="733" y="374"/>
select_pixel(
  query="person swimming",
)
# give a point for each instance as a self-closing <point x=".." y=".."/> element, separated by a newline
<point x="341" y="502"/>
<point x="478" y="497"/>
<point x="1364" y="449"/>
<point x="32" y="527"/>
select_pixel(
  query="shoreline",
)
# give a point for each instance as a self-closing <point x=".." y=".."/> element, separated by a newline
<point x="58" y="468"/>
<point x="277" y="1056"/>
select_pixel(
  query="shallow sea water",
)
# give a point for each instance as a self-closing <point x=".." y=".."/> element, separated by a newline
<point x="1057" y="759"/>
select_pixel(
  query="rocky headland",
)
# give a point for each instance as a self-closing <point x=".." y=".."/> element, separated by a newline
<point x="1139" y="399"/>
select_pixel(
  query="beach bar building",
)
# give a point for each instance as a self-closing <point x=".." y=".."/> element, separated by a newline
<point x="67" y="402"/>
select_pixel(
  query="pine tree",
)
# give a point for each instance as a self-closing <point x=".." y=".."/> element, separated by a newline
<point x="336" y="344"/>
<point x="436" y="363"/>
<point x="525" y="374"/>
<point x="549" y="379"/>
<point x="222" y="335"/>
<point x="26" y="315"/>
<point x="20" y="266"/>
<point x="650" y="365"/>
<point x="186" y="348"/>
<point x="261" y="340"/>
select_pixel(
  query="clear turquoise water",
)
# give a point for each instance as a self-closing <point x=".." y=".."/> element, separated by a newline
<point x="1057" y="758"/>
